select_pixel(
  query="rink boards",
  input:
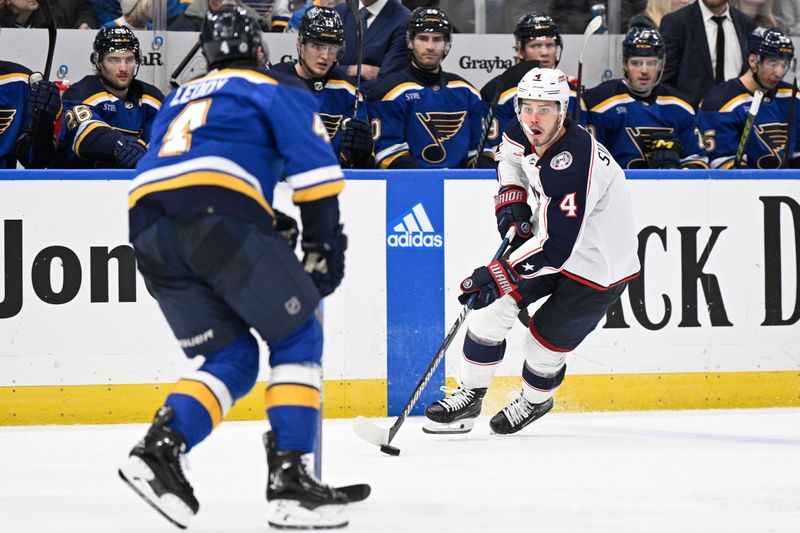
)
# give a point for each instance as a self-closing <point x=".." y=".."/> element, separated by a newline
<point x="713" y="322"/>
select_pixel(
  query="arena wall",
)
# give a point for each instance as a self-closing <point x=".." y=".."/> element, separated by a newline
<point x="712" y="323"/>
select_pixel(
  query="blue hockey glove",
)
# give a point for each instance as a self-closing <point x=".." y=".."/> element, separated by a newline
<point x="45" y="99"/>
<point x="356" y="147"/>
<point x="128" y="151"/>
<point x="324" y="261"/>
<point x="490" y="283"/>
<point x="511" y="208"/>
<point x="287" y="228"/>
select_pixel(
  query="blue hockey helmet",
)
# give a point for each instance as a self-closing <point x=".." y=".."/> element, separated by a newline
<point x="230" y="35"/>
<point x="643" y="41"/>
<point x="770" y="42"/>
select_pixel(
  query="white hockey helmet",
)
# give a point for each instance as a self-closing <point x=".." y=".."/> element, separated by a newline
<point x="549" y="84"/>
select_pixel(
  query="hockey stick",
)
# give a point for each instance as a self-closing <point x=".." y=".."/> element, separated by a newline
<point x="748" y="125"/>
<point x="353" y="5"/>
<point x="790" y="126"/>
<point x="173" y="78"/>
<point x="382" y="437"/>
<point x="592" y="27"/>
<point x="508" y="79"/>
<point x="47" y="11"/>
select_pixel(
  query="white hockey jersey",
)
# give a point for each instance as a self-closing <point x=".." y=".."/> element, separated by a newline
<point x="586" y="228"/>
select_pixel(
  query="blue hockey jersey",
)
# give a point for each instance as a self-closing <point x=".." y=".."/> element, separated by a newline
<point x="222" y="142"/>
<point x="723" y="113"/>
<point x="419" y="126"/>
<point x="93" y="120"/>
<point x="14" y="113"/>
<point x="504" y="113"/>
<point x="627" y="123"/>
<point x="336" y="97"/>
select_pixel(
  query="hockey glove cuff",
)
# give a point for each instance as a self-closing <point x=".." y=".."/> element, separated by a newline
<point x="324" y="261"/>
<point x="490" y="283"/>
<point x="287" y="228"/>
<point x="511" y="208"/>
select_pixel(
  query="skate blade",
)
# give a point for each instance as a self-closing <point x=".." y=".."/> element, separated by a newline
<point x="137" y="475"/>
<point x="290" y="514"/>
<point x="444" y="428"/>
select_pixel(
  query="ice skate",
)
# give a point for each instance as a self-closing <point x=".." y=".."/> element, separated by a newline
<point x="518" y="414"/>
<point x="298" y="500"/>
<point x="456" y="413"/>
<point x="153" y="470"/>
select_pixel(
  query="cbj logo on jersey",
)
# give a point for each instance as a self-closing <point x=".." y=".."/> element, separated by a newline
<point x="414" y="230"/>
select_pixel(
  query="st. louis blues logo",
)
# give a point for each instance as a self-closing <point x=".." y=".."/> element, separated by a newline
<point x="6" y="118"/>
<point x="440" y="126"/>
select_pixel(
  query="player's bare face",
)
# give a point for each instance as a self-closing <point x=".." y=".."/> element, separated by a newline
<point x="642" y="72"/>
<point x="118" y="69"/>
<point x="541" y="122"/>
<point x="319" y="58"/>
<point x="23" y="6"/>
<point x="543" y="50"/>
<point x="428" y="49"/>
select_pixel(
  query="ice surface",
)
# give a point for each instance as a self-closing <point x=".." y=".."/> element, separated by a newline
<point x="688" y="471"/>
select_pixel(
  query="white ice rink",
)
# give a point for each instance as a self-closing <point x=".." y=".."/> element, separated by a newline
<point x="676" y="472"/>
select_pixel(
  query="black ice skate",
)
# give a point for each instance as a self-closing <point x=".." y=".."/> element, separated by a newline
<point x="153" y="470"/>
<point x="298" y="500"/>
<point x="456" y="413"/>
<point x="518" y="414"/>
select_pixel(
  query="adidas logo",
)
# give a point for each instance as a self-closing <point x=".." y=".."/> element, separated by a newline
<point x="414" y="230"/>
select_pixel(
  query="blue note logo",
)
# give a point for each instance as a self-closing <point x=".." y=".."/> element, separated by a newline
<point x="414" y="230"/>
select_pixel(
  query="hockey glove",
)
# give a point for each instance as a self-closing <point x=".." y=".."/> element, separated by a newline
<point x="356" y="148"/>
<point x="45" y="99"/>
<point x="511" y="208"/>
<point x="324" y="261"/>
<point x="490" y="283"/>
<point x="128" y="151"/>
<point x="665" y="152"/>
<point x="287" y="228"/>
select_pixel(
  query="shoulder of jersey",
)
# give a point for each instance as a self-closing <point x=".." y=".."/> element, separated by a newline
<point x="84" y="89"/>
<point x="150" y="90"/>
<point x="391" y="85"/>
<point x="784" y="90"/>
<point x="487" y="91"/>
<point x="571" y="155"/>
<point x="284" y="66"/>
<point x="605" y="92"/>
<point x="725" y="97"/>
<point x="338" y="79"/>
<point x="515" y="135"/>
<point x="287" y="78"/>
<point x="454" y="81"/>
<point x="668" y="95"/>
<point x="8" y="68"/>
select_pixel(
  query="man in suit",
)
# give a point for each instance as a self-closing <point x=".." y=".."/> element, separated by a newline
<point x="694" y="37"/>
<point x="384" y="24"/>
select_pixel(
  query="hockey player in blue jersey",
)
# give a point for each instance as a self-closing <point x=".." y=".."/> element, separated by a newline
<point x="643" y="122"/>
<point x="723" y="112"/>
<point x="423" y="117"/>
<point x="201" y="224"/>
<point x="108" y="115"/>
<point x="320" y="44"/>
<point x="536" y="38"/>
<point x="579" y="257"/>
<point x="27" y="115"/>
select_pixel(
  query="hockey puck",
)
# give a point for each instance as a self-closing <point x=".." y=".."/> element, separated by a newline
<point x="390" y="450"/>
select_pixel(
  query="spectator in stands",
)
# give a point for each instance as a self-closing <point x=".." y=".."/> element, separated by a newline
<point x="758" y="10"/>
<point x="68" y="14"/>
<point x="642" y="122"/>
<point x="297" y="15"/>
<point x="423" y="117"/>
<point x="725" y="108"/>
<point x="705" y="43"/>
<point x="787" y="13"/>
<point x="27" y="117"/>
<point x="192" y="19"/>
<point x="108" y="115"/>
<point x="384" y="23"/>
<point x="109" y="10"/>
<point x="136" y="15"/>
<point x="654" y="11"/>
<point x="536" y="38"/>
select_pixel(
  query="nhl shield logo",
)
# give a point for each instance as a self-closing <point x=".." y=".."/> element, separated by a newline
<point x="293" y="305"/>
<point x="561" y="161"/>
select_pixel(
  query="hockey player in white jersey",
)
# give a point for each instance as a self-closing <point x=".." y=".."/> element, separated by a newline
<point x="579" y="254"/>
